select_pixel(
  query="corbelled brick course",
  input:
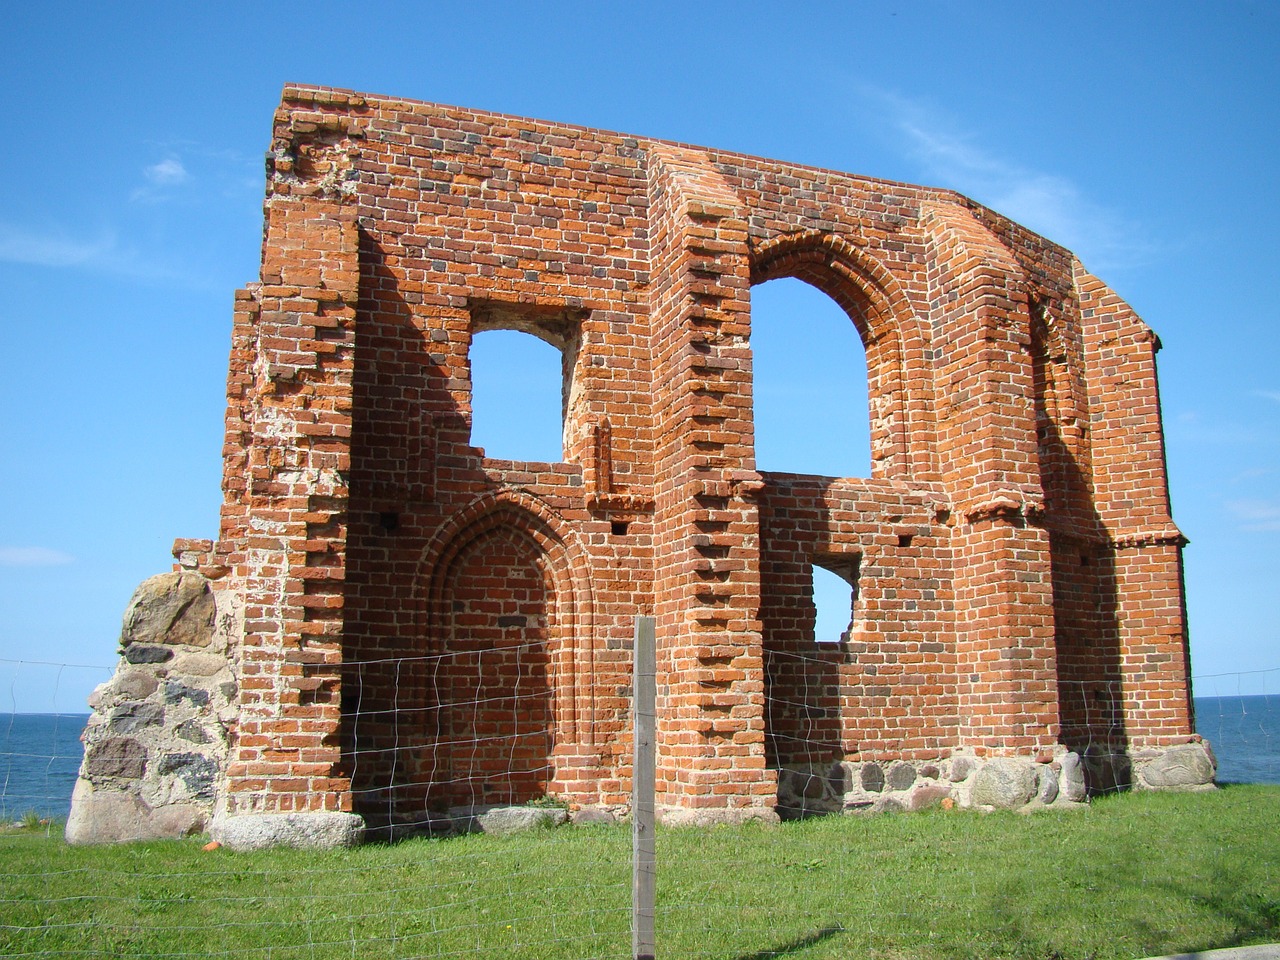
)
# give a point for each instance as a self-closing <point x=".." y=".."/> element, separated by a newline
<point x="425" y="626"/>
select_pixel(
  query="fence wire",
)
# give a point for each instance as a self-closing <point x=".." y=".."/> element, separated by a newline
<point x="432" y="741"/>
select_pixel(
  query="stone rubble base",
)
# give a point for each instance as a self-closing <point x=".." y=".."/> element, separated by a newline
<point x="157" y="742"/>
<point x="997" y="783"/>
<point x="1000" y="783"/>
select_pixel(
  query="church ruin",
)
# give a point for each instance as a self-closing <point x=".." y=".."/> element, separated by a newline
<point x="413" y="626"/>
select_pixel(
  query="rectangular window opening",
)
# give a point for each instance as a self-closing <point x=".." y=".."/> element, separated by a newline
<point x="835" y="598"/>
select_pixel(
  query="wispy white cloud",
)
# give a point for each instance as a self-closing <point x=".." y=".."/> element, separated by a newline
<point x="167" y="172"/>
<point x="1053" y="205"/>
<point x="54" y="248"/>
<point x="232" y="173"/>
<point x="161" y="179"/>
<point x="33" y="557"/>
<point x="1259" y="516"/>
<point x="1269" y="394"/>
<point x="1190" y="426"/>
<point x="1251" y="474"/>
<point x="219" y="172"/>
<point x="101" y="253"/>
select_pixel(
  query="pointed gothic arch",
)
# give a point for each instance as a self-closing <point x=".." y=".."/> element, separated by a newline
<point x="507" y="619"/>
<point x="565" y="562"/>
<point x="899" y="383"/>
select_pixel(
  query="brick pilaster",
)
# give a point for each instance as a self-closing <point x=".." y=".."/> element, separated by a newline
<point x="707" y="582"/>
<point x="297" y="415"/>
<point x="1006" y="661"/>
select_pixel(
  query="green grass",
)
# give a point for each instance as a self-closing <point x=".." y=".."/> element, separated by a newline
<point x="1132" y="876"/>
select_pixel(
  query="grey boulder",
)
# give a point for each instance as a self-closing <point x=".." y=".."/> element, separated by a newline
<point x="1005" y="783"/>
<point x="170" y="608"/>
<point x="1185" y="766"/>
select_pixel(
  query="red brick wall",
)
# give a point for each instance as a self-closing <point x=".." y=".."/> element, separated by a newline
<point x="1018" y="575"/>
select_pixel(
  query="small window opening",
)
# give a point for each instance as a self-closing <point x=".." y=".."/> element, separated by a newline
<point x="904" y="539"/>
<point x="389" y="521"/>
<point x="517" y="396"/>
<point x="618" y="528"/>
<point x="835" y="599"/>
<point x="809" y="392"/>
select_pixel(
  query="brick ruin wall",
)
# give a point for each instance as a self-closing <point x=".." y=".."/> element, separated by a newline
<point x="1017" y="572"/>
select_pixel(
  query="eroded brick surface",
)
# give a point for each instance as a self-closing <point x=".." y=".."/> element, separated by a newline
<point x="425" y="626"/>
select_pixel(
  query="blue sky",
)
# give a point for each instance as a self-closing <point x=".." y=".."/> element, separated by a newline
<point x="1142" y="136"/>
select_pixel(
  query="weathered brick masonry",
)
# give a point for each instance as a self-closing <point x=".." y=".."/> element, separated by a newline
<point x="425" y="626"/>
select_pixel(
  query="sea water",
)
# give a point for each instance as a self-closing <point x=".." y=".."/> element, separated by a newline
<point x="39" y="758"/>
<point x="40" y="752"/>
<point x="1244" y="733"/>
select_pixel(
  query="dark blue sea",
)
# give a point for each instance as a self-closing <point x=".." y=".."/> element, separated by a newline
<point x="1244" y="733"/>
<point x="40" y="752"/>
<point x="39" y="758"/>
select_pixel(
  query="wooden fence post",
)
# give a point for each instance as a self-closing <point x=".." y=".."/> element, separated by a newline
<point x="643" y="707"/>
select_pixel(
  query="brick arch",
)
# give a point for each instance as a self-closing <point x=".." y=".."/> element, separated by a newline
<point x="1046" y="328"/>
<point x="565" y="562"/>
<point x="1061" y="441"/>
<point x="899" y="380"/>
<point x="1047" y="341"/>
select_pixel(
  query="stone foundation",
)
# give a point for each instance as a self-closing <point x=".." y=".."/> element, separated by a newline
<point x="995" y="783"/>
<point x="157" y="752"/>
<point x="157" y="741"/>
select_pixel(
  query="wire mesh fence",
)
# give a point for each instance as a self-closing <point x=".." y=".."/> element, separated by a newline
<point x="449" y="742"/>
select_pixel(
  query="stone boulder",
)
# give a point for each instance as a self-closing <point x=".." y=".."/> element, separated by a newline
<point x="117" y="757"/>
<point x="503" y="820"/>
<point x="593" y="816"/>
<point x="1071" y="778"/>
<point x="1046" y="784"/>
<point x="1182" y="767"/>
<point x="872" y="777"/>
<point x="714" y="816"/>
<point x="927" y="795"/>
<point x="802" y="793"/>
<point x="317" y="830"/>
<point x="1107" y="770"/>
<point x="1005" y="783"/>
<point x="172" y="608"/>
<point x="900" y="775"/>
<point x="962" y="768"/>
<point x="107" y="815"/>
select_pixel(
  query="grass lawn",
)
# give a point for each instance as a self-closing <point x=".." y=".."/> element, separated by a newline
<point x="1132" y="876"/>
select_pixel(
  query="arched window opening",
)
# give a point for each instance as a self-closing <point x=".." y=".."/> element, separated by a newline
<point x="517" y="396"/>
<point x="811" y="408"/>
<point x="835" y="597"/>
